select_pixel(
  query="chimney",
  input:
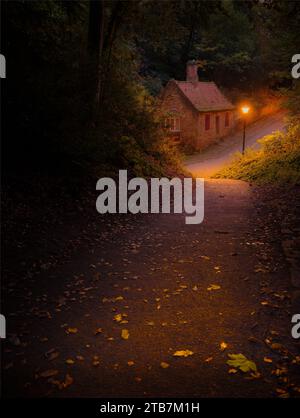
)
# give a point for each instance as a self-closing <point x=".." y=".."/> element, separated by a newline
<point x="192" y="71"/>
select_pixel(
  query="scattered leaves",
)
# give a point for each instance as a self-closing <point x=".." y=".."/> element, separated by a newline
<point x="62" y="385"/>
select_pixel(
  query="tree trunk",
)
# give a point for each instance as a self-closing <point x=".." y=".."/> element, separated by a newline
<point x="95" y="47"/>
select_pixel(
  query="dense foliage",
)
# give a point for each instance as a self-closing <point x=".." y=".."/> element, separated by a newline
<point x="277" y="161"/>
<point x="83" y="75"/>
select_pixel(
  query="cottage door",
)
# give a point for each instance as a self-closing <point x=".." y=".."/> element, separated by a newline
<point x="217" y="124"/>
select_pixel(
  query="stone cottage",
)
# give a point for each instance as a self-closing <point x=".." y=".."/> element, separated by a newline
<point x="196" y="113"/>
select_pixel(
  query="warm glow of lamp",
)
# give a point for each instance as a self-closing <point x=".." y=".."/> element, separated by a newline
<point x="245" y="109"/>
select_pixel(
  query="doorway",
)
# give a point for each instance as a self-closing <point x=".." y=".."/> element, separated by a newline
<point x="217" y="124"/>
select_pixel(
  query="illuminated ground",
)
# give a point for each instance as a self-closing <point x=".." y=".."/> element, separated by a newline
<point x="162" y="269"/>
<point x="207" y="163"/>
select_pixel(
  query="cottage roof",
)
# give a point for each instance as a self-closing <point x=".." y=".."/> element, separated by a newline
<point x="204" y="96"/>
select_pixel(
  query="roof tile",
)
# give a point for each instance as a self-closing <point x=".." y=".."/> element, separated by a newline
<point x="204" y="96"/>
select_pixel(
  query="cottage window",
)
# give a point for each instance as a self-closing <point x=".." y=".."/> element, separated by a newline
<point x="173" y="124"/>
<point x="207" y="122"/>
<point x="226" y="119"/>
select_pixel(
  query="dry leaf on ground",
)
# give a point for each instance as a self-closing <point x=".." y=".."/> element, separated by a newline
<point x="125" y="334"/>
<point x="183" y="353"/>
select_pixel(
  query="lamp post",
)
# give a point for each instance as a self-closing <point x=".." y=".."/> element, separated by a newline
<point x="245" y="111"/>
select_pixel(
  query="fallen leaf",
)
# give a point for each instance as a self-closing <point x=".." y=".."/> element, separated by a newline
<point x="214" y="287"/>
<point x="49" y="373"/>
<point x="208" y="359"/>
<point x="164" y="365"/>
<point x="130" y="363"/>
<point x="241" y="362"/>
<point x="71" y="330"/>
<point x="67" y="382"/>
<point x="282" y="393"/>
<point x="70" y="361"/>
<point x="183" y="353"/>
<point x="118" y="317"/>
<point x="53" y="356"/>
<point x="232" y="371"/>
<point x="223" y="346"/>
<point x="125" y="334"/>
<point x="268" y="360"/>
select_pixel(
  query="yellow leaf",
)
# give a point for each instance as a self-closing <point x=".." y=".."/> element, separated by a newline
<point x="223" y="346"/>
<point x="125" y="334"/>
<point x="70" y="361"/>
<point x="118" y="317"/>
<point x="183" y="353"/>
<point x="214" y="287"/>
<point x="71" y="330"/>
<point x="239" y="361"/>
<point x="164" y="365"/>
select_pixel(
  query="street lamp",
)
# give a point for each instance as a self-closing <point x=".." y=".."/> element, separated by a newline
<point x="245" y="111"/>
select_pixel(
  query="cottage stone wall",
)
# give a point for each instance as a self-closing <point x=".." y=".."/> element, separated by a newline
<point x="207" y="137"/>
<point x="175" y="104"/>
<point x="192" y="122"/>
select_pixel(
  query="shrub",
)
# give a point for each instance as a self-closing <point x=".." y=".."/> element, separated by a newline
<point x="277" y="161"/>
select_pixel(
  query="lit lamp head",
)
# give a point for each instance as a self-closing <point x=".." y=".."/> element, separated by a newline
<point x="245" y="110"/>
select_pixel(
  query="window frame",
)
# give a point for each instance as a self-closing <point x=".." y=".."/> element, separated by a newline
<point x="173" y="124"/>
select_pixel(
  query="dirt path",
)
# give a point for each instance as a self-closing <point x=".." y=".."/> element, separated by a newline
<point x="207" y="163"/>
<point x="156" y="272"/>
